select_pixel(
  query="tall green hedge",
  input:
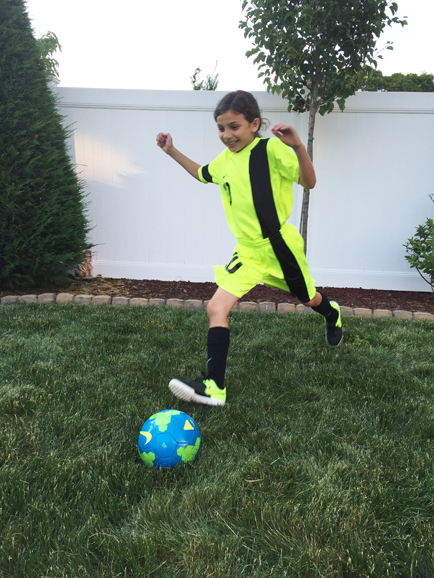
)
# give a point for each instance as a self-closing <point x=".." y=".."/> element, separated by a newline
<point x="43" y="224"/>
<point x="375" y="81"/>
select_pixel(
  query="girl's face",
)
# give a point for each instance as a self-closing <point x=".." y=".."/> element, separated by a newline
<point x="235" y="131"/>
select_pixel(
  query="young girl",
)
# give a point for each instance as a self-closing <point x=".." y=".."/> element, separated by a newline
<point x="255" y="176"/>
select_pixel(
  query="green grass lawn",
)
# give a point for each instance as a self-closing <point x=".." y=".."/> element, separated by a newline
<point x="320" y="465"/>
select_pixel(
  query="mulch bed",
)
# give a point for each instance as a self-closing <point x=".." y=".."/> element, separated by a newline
<point x="350" y="297"/>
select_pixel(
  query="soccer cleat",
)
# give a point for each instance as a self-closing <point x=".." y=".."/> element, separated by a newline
<point x="334" y="331"/>
<point x="206" y="391"/>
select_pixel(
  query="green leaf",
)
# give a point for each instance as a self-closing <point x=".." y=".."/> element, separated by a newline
<point x="341" y="104"/>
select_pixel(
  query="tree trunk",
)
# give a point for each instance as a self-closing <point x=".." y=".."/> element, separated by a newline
<point x="306" y="192"/>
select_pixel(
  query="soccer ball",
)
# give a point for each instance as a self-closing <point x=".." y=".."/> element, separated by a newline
<point x="167" y="438"/>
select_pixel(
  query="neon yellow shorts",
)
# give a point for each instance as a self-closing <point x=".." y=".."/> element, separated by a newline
<point x="278" y="261"/>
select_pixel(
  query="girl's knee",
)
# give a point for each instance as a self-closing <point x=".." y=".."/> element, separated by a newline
<point x="315" y="301"/>
<point x="217" y="314"/>
<point x="219" y="307"/>
<point x="213" y="309"/>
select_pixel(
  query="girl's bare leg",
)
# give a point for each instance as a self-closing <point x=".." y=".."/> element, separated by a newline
<point x="219" y="307"/>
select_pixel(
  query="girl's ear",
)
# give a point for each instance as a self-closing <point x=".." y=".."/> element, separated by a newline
<point x="256" y="124"/>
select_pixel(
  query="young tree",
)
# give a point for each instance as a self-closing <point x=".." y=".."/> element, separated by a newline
<point x="48" y="45"/>
<point x="43" y="227"/>
<point x="311" y="52"/>
<point x="211" y="82"/>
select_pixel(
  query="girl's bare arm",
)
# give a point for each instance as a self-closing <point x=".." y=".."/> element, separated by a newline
<point x="289" y="136"/>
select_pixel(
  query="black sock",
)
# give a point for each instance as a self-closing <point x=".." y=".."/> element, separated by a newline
<point x="325" y="309"/>
<point x="218" y="346"/>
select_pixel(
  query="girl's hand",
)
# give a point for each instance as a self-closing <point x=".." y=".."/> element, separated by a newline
<point x="287" y="135"/>
<point x="164" y="141"/>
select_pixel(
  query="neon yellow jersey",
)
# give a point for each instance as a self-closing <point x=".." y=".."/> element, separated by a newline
<point x="256" y="187"/>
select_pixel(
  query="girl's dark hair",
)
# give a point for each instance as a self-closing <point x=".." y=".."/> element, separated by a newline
<point x="241" y="102"/>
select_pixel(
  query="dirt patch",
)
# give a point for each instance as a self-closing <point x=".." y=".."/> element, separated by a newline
<point x="350" y="297"/>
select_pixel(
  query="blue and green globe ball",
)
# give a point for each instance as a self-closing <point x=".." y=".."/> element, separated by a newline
<point x="168" y="438"/>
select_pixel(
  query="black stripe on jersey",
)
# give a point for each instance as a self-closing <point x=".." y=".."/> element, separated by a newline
<point x="291" y="271"/>
<point x="227" y="188"/>
<point x="206" y="175"/>
<point x="262" y="191"/>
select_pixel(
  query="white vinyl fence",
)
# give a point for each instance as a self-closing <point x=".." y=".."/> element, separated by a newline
<point x="151" y="220"/>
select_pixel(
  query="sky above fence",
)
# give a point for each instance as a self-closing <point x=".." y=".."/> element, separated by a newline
<point x="158" y="45"/>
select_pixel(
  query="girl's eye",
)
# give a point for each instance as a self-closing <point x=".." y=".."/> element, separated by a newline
<point x="232" y="127"/>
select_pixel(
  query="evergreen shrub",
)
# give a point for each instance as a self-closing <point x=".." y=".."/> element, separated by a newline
<point x="43" y="224"/>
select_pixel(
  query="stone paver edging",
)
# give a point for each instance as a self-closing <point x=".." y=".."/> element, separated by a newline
<point x="264" y="307"/>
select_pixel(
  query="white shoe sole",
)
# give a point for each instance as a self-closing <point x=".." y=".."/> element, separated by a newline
<point x="187" y="393"/>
